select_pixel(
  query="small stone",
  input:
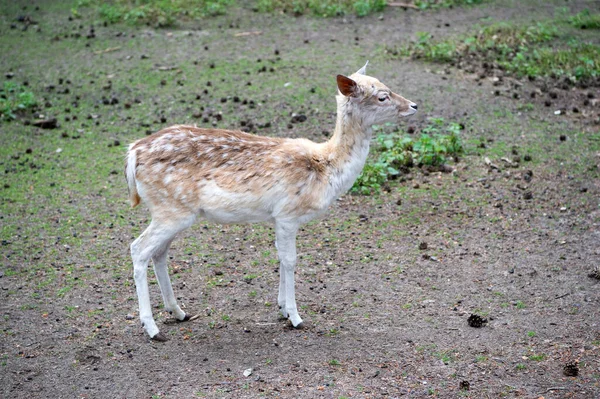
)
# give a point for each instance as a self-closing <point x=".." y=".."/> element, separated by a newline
<point x="423" y="245"/>
<point x="248" y="372"/>
<point x="528" y="195"/>
<point x="129" y="316"/>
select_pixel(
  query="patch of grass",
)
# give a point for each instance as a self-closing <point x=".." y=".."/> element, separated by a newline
<point x="520" y="50"/>
<point x="395" y="153"/>
<point x="333" y="332"/>
<point x="446" y="357"/>
<point x="432" y="4"/>
<point x="585" y="20"/>
<point x="579" y="61"/>
<point x="537" y="357"/>
<point x="323" y="8"/>
<point x="521" y="367"/>
<point x="159" y="13"/>
<point x="13" y="99"/>
<point x="334" y="362"/>
<point x="501" y="38"/>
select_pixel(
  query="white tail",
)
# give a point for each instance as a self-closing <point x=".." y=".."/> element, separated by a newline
<point x="185" y="172"/>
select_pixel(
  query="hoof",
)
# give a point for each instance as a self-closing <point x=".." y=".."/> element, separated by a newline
<point x="173" y="320"/>
<point x="185" y="318"/>
<point x="160" y="337"/>
<point x="300" y="326"/>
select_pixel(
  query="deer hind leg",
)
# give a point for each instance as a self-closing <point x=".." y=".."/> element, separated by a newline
<point x="153" y="243"/>
<point x="285" y="234"/>
<point x="164" y="282"/>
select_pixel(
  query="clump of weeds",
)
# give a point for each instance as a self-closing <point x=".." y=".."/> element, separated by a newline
<point x="395" y="154"/>
<point x="15" y="98"/>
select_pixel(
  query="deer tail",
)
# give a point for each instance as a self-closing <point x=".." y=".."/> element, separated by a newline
<point x="130" y="165"/>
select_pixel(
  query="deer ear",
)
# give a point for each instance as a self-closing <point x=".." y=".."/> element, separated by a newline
<point x="347" y="86"/>
<point x="363" y="70"/>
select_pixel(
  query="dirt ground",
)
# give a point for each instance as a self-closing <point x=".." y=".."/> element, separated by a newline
<point x="387" y="284"/>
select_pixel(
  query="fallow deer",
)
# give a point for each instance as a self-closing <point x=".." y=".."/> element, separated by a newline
<point x="183" y="173"/>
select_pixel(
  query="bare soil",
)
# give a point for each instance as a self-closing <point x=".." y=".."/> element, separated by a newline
<point x="480" y="283"/>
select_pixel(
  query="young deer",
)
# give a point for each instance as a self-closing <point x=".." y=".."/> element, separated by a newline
<point x="184" y="172"/>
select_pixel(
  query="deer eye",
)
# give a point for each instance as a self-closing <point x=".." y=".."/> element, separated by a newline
<point x="383" y="98"/>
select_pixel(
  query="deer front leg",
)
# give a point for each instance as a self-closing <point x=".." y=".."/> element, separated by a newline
<point x="285" y="233"/>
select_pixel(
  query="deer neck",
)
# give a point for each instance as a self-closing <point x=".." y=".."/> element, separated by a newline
<point x="348" y="149"/>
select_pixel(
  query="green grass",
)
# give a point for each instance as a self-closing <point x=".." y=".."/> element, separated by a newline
<point x="433" y="4"/>
<point x="537" y="357"/>
<point x="524" y="51"/>
<point x="166" y="13"/>
<point x="585" y="20"/>
<point x="394" y="153"/>
<point x="159" y="13"/>
<point x="14" y="98"/>
<point x="323" y="8"/>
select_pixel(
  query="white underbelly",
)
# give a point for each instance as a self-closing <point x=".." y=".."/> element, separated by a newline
<point x="241" y="215"/>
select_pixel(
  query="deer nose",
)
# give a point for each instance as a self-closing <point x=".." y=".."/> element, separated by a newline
<point x="414" y="106"/>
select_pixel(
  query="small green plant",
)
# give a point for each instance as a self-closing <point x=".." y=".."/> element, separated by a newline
<point x="520" y="367"/>
<point x="520" y="305"/>
<point x="531" y="334"/>
<point x="438" y="141"/>
<point x="333" y="332"/>
<point x="334" y="362"/>
<point x="13" y="99"/>
<point x="372" y="178"/>
<point x="446" y="357"/>
<point x="226" y="317"/>
<point x="537" y="357"/>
